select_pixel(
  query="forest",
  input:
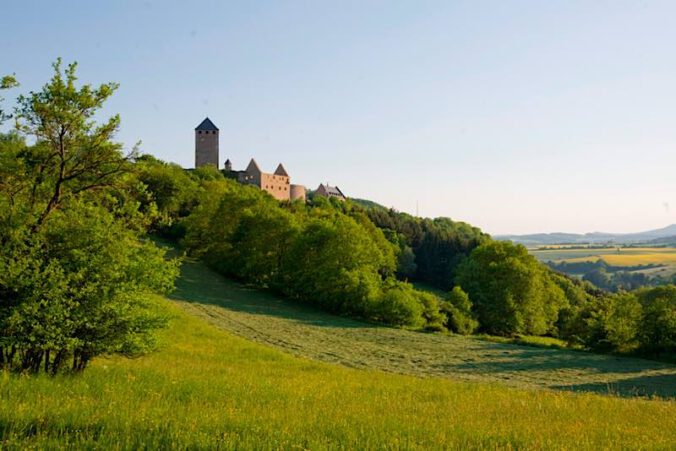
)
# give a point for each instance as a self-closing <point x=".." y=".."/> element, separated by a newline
<point x="79" y="263"/>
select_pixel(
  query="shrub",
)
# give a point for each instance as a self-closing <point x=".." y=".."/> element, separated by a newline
<point x="458" y="310"/>
<point x="399" y="306"/>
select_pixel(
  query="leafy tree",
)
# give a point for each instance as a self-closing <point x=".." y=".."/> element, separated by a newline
<point x="599" y="277"/>
<point x="171" y="192"/>
<point x="622" y="323"/>
<point x="75" y="277"/>
<point x="78" y="288"/>
<point x="512" y="292"/>
<point x="73" y="153"/>
<point x="260" y="245"/>
<point x="6" y="82"/>
<point x="657" y="332"/>
<point x="336" y="263"/>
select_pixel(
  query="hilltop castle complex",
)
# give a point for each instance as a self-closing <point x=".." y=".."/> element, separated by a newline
<point x="278" y="184"/>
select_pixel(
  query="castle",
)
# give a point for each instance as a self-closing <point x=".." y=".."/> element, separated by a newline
<point x="278" y="184"/>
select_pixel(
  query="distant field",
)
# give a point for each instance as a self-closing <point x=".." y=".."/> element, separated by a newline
<point x="307" y="332"/>
<point x="631" y="256"/>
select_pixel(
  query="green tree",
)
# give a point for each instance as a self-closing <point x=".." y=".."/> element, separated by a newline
<point x="79" y="287"/>
<point x="512" y="292"/>
<point x="75" y="277"/>
<point x="622" y="323"/>
<point x="6" y="82"/>
<point x="171" y="192"/>
<point x="657" y="332"/>
<point x="74" y="153"/>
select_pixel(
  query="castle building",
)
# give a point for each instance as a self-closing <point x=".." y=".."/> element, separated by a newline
<point x="330" y="191"/>
<point x="278" y="184"/>
<point x="206" y="144"/>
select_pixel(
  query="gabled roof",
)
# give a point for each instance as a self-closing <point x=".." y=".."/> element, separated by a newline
<point x="281" y="171"/>
<point x="331" y="190"/>
<point x="206" y="124"/>
<point x="253" y="167"/>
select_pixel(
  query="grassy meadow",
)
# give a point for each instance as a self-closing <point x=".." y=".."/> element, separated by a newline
<point x="206" y="388"/>
<point x="310" y="333"/>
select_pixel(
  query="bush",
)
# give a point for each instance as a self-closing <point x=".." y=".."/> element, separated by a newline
<point x="458" y="310"/>
<point x="80" y="288"/>
<point x="400" y="306"/>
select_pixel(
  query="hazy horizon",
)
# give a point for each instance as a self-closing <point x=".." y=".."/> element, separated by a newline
<point x="518" y="118"/>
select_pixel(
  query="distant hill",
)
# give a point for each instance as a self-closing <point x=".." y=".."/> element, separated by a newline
<point x="666" y="235"/>
<point x="669" y="241"/>
<point x="367" y="203"/>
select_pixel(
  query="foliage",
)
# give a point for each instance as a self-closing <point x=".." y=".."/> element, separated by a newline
<point x="511" y="291"/>
<point x="327" y="253"/>
<point x="398" y="305"/>
<point x="438" y="245"/>
<point x="74" y="274"/>
<point x="77" y="289"/>
<point x="641" y="322"/>
<point x="458" y="309"/>
<point x="171" y="191"/>
<point x="657" y="332"/>
<point x="6" y="82"/>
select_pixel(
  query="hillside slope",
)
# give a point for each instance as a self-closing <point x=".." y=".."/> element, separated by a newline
<point x="206" y="389"/>
<point x="310" y="333"/>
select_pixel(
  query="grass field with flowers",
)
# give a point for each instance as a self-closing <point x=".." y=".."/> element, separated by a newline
<point x="206" y="388"/>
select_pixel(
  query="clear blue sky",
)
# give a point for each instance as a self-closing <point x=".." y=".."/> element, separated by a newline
<point x="515" y="116"/>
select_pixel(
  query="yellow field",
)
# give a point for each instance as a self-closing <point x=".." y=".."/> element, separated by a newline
<point x="631" y="259"/>
<point x="627" y="256"/>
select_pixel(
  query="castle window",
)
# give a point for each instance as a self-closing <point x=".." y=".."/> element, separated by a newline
<point x="199" y="132"/>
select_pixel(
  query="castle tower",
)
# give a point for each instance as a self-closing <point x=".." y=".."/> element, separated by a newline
<point x="206" y="144"/>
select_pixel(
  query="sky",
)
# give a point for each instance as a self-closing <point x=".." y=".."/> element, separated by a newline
<point x="514" y="116"/>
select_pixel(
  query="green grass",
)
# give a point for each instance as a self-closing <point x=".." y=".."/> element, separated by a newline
<point x="528" y="340"/>
<point x="306" y="332"/>
<point x="207" y="388"/>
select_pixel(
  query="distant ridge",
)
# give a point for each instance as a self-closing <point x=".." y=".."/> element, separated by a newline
<point x="666" y="235"/>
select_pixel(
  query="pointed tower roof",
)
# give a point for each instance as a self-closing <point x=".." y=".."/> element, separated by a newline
<point x="206" y="124"/>
<point x="253" y="167"/>
<point x="281" y="171"/>
<point x="228" y="161"/>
